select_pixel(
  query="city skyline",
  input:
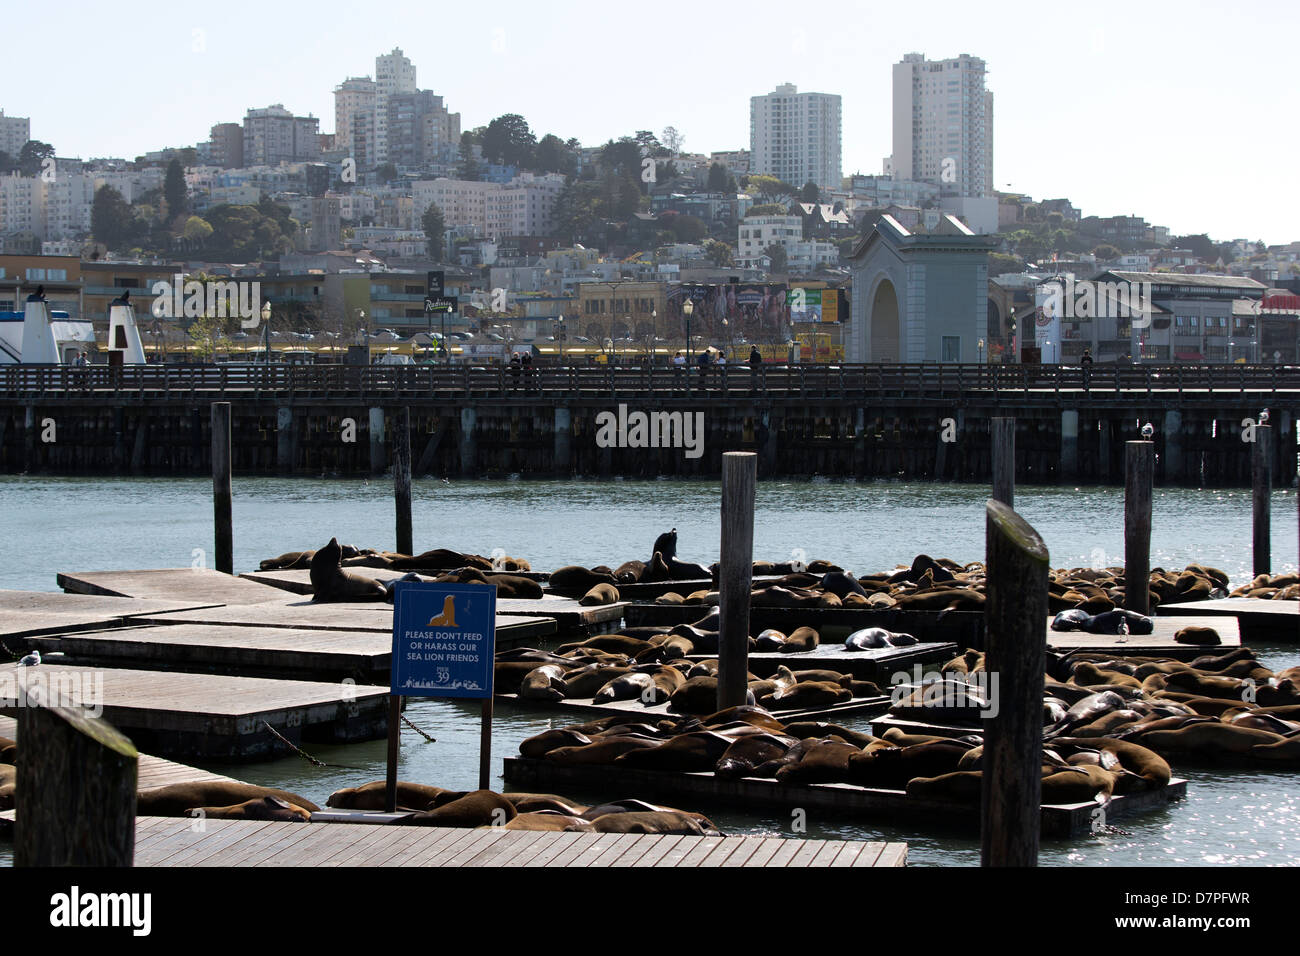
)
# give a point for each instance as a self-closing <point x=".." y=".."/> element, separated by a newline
<point x="1075" y="134"/>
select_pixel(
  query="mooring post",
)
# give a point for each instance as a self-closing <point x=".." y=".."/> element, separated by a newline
<point x="1003" y="432"/>
<point x="394" y="740"/>
<point x="563" y="426"/>
<point x="377" y="463"/>
<point x="74" y="798"/>
<point x="402" y="479"/>
<point x="735" y="575"/>
<point x="1015" y="621"/>
<point x="1139" y="471"/>
<point x="1261" y="481"/>
<point x="221" y="494"/>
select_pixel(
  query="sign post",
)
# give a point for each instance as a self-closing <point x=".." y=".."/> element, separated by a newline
<point x="444" y="645"/>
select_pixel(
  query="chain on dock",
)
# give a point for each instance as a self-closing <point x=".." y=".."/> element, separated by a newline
<point x="406" y="720"/>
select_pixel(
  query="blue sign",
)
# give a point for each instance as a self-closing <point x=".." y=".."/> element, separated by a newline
<point x="444" y="639"/>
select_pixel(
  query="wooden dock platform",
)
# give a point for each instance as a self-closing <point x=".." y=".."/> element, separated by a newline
<point x="1259" y="620"/>
<point x="202" y="585"/>
<point x="24" y="613"/>
<point x="1159" y="643"/>
<point x="571" y="618"/>
<point x="963" y="628"/>
<point x="168" y="841"/>
<point x="1057" y="820"/>
<point x="210" y="715"/>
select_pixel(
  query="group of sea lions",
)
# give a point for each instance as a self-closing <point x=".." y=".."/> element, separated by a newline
<point x="1217" y="708"/>
<point x="751" y="742"/>
<point x="649" y="665"/>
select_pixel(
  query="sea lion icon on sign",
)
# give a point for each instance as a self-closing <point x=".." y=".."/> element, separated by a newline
<point x="448" y="616"/>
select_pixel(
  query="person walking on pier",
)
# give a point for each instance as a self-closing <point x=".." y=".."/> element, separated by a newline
<point x="1085" y="364"/>
<point x="755" y="356"/>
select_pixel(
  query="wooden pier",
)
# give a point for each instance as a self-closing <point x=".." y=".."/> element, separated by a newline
<point x="26" y="613"/>
<point x="1159" y="643"/>
<point x="1057" y="820"/>
<point x="210" y="715"/>
<point x="1257" y="619"/>
<point x="195" y="584"/>
<point x="168" y="841"/>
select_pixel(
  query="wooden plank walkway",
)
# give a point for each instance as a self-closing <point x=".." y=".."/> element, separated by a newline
<point x="152" y="771"/>
<point x="201" y="585"/>
<point x="24" y="613"/>
<point x="1063" y="820"/>
<point x="170" y="841"/>
<point x="1259" y="620"/>
<point x="1159" y="643"/>
<point x="211" y="715"/>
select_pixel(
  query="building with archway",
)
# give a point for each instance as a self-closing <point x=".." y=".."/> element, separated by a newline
<point x="919" y="297"/>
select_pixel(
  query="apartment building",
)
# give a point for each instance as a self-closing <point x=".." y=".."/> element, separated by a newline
<point x="943" y="124"/>
<point x="796" y="136"/>
<point x="274" y="135"/>
<point x="15" y="131"/>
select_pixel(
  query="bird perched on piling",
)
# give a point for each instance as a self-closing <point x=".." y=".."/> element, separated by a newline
<point x="1148" y="430"/>
<point x="31" y="660"/>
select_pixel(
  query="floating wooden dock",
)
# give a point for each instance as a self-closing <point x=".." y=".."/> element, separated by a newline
<point x="169" y="841"/>
<point x="24" y="613"/>
<point x="194" y="584"/>
<point x="571" y="618"/>
<point x="858" y="707"/>
<point x="1159" y="643"/>
<point x="1259" y="620"/>
<point x="210" y="715"/>
<point x="963" y="628"/>
<point x="877" y="664"/>
<point x="1057" y="820"/>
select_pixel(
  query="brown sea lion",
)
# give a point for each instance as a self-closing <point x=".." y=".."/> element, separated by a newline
<point x="825" y="762"/>
<point x="289" y="561"/>
<point x="962" y="786"/>
<point x="614" y="643"/>
<point x="1077" y="785"/>
<point x="660" y="822"/>
<point x="746" y="753"/>
<point x="371" y="796"/>
<point x="629" y="572"/>
<point x="547" y="820"/>
<point x="545" y="683"/>
<point x="600" y="594"/>
<point x="891" y="768"/>
<point x="574" y="581"/>
<point x="587" y="681"/>
<point x="539" y="745"/>
<point x="687" y="753"/>
<point x="602" y="751"/>
<point x="175" y="800"/>
<point x="799" y="729"/>
<point x="475" y="809"/>
<point x="1196" y="634"/>
<point x="263" y="808"/>
<point x="698" y="695"/>
<point x="331" y="582"/>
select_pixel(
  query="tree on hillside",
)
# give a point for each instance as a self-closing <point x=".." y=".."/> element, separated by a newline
<point x="672" y="140"/>
<point x="509" y="141"/>
<point x="32" y="155"/>
<point x="810" y="192"/>
<point x="780" y="260"/>
<point x="689" y="228"/>
<point x="435" y="228"/>
<point x="1106" y="252"/>
<point x="468" y="167"/>
<point x="112" y="221"/>
<point x="719" y="253"/>
<point x="1201" y="246"/>
<point x="175" y="190"/>
<point x="553" y="156"/>
<point x="770" y="188"/>
<point x="767" y="209"/>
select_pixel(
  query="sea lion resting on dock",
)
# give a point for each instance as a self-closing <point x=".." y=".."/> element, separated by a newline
<point x="331" y="582"/>
<point x="178" y="799"/>
<point x="371" y="796"/>
<point x="265" y="808"/>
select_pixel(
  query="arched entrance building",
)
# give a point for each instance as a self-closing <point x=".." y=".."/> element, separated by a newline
<point x="919" y="297"/>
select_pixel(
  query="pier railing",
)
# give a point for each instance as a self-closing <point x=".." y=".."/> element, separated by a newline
<point x="630" y="381"/>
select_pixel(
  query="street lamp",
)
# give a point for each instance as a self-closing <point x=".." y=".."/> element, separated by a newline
<point x="980" y="346"/>
<point x="266" y="332"/>
<point x="558" y="330"/>
<point x="609" y="350"/>
<point x="688" y="309"/>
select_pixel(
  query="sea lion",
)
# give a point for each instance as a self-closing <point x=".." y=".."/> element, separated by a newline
<point x="547" y="820"/>
<point x="331" y="582"/>
<point x="175" y="800"/>
<point x="574" y="581"/>
<point x="961" y="785"/>
<point x="613" y="643"/>
<point x="629" y="572"/>
<point x="625" y="687"/>
<point x="1207" y="738"/>
<point x="803" y="639"/>
<point x="868" y="638"/>
<point x="661" y="822"/>
<point x="263" y="808"/>
<point x="686" y="753"/>
<point x="826" y="761"/>
<point x="587" y="681"/>
<point x="1077" y="785"/>
<point x="891" y="768"/>
<point x="746" y="753"/>
<point x="1152" y="770"/>
<point x="602" y="751"/>
<point x="545" y="683"/>
<point x="1195" y="634"/>
<point x="698" y="695"/>
<point x="806" y="695"/>
<point x="799" y="729"/>
<point x="539" y="745"/>
<point x="841" y="584"/>
<point x="1085" y="711"/>
<point x="371" y="796"/>
<point x="600" y="594"/>
<point x="289" y="561"/>
<point x="769" y="640"/>
<point x="475" y="809"/>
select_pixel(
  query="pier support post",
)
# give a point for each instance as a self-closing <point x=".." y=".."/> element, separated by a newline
<point x="860" y="442"/>
<point x="735" y="575"/>
<point x="1003" y="434"/>
<point x="1015" y="641"/>
<point x="563" y="465"/>
<point x="765" y="438"/>
<point x="468" y="442"/>
<point x="221" y="493"/>
<point x="1103" y="450"/>
<point x="141" y="447"/>
<point x="1069" y="444"/>
<point x="1139" y="470"/>
<point x="76" y="788"/>
<point x="1173" y="429"/>
<point x="1261" y="484"/>
<point x="29" y="437"/>
<point x="402" y="479"/>
<point x="377" y="463"/>
<point x="431" y="448"/>
<point x="284" y="458"/>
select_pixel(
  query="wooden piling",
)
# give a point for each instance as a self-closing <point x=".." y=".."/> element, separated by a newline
<point x="402" y="479"/>
<point x="735" y="574"/>
<point x="75" y="788"/>
<point x="394" y="740"/>
<point x="1003" y="433"/>
<point x="1139" y="471"/>
<point x="221" y="492"/>
<point x="1261" y="484"/>
<point x="1015" y="640"/>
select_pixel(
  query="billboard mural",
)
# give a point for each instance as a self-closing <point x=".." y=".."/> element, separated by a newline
<point x="757" y="311"/>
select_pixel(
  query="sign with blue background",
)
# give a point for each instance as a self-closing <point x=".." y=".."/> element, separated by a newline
<point x="444" y="639"/>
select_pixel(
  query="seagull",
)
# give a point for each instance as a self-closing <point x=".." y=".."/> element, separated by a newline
<point x="31" y="660"/>
<point x="1148" y="430"/>
<point x="1263" y="417"/>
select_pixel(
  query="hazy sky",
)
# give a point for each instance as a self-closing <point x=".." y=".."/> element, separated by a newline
<point x="1180" y="113"/>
